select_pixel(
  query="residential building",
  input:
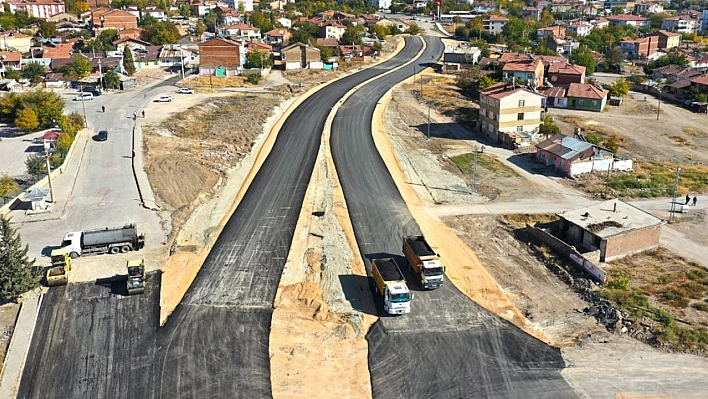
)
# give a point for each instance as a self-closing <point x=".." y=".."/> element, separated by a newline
<point x="572" y="157"/>
<point x="583" y="96"/>
<point x="244" y="31"/>
<point x="235" y="4"/>
<point x="640" y="48"/>
<point x="507" y="108"/>
<point x="148" y="58"/>
<point x="330" y="29"/>
<point x="37" y="8"/>
<point x="458" y="54"/>
<point x="200" y="9"/>
<point x="530" y="72"/>
<point x="628" y="19"/>
<point x="221" y="57"/>
<point x="132" y="33"/>
<point x="667" y="40"/>
<point x="532" y="12"/>
<point x="63" y="16"/>
<point x="287" y="23"/>
<point x="649" y="8"/>
<point x="557" y="30"/>
<point x="613" y="228"/>
<point x="175" y="56"/>
<point x="299" y="55"/>
<point x="153" y="11"/>
<point x="704" y="20"/>
<point x="680" y="24"/>
<point x="484" y="7"/>
<point x="231" y="17"/>
<point x="494" y="24"/>
<point x="560" y="74"/>
<point x="380" y="4"/>
<point x="599" y="23"/>
<point x="278" y="37"/>
<point x="579" y="28"/>
<point x="9" y="59"/>
<point x="103" y="19"/>
<point x="562" y="45"/>
<point x="15" y="41"/>
<point x="132" y="44"/>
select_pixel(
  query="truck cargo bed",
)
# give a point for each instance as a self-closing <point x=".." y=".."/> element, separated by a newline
<point x="420" y="246"/>
<point x="109" y="235"/>
<point x="388" y="270"/>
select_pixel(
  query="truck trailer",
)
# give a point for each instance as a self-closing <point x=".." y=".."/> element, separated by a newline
<point x="109" y="240"/>
<point x="390" y="283"/>
<point x="424" y="262"/>
<point x="58" y="273"/>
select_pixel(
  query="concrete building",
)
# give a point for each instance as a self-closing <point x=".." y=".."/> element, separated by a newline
<point x="640" y="48"/>
<point x="221" y="57"/>
<point x="506" y="108"/>
<point x="667" y="40"/>
<point x="37" y="8"/>
<point x="579" y="28"/>
<point x="530" y="72"/>
<point x="560" y="74"/>
<point x="299" y="55"/>
<point x="613" y="228"/>
<point x="586" y="97"/>
<point x="680" y="24"/>
<point x="494" y="24"/>
<point x="628" y="19"/>
<point x="572" y="157"/>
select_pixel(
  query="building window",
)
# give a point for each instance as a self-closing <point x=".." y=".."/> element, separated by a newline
<point x="520" y="116"/>
<point x="554" y="78"/>
<point x="594" y="102"/>
<point x="522" y="103"/>
<point x="582" y="102"/>
<point x="519" y="128"/>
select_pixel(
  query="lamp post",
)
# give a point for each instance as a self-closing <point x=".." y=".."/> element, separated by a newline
<point x="49" y="172"/>
<point x="659" y="107"/>
<point x="673" y="202"/>
<point x="83" y="105"/>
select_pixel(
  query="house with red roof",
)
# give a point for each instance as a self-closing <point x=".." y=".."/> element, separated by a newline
<point x="628" y="19"/>
<point x="560" y="74"/>
<point x="278" y="37"/>
<point x="586" y="97"/>
<point x="530" y="72"/>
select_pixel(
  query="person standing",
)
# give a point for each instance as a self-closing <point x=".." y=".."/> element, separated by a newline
<point x="695" y="199"/>
<point x="688" y="199"/>
<point x="103" y="108"/>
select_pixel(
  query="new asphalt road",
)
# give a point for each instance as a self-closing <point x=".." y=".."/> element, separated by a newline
<point x="91" y="341"/>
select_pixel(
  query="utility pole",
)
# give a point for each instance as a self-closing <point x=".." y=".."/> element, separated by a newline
<point x="181" y="63"/>
<point x="659" y="107"/>
<point x="83" y="105"/>
<point x="100" y="75"/>
<point x="474" y="171"/>
<point x="49" y="173"/>
<point x="428" y="121"/>
<point x="673" y="202"/>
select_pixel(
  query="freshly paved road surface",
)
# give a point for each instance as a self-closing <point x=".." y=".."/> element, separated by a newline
<point x="98" y="345"/>
<point x="448" y="346"/>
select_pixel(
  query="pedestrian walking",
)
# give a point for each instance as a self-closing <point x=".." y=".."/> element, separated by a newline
<point x="103" y="108"/>
<point x="143" y="113"/>
<point x="688" y="199"/>
<point x="695" y="199"/>
<point x="135" y="116"/>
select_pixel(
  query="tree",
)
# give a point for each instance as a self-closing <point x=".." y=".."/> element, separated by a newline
<point x="616" y="10"/>
<point x="548" y="126"/>
<point x="36" y="166"/>
<point x="614" y="57"/>
<point x="64" y="144"/>
<point x="414" y="29"/>
<point x="16" y="276"/>
<point x="255" y="59"/>
<point x="253" y="78"/>
<point x="303" y="32"/>
<point x="8" y="186"/>
<point x="26" y="119"/>
<point x="71" y="123"/>
<point x="13" y="73"/>
<point x="485" y="82"/>
<point x="619" y="88"/>
<point x="380" y="31"/>
<point x="350" y="36"/>
<point x="47" y="29"/>
<point x="128" y="63"/>
<point x="160" y="33"/>
<point x="112" y="79"/>
<point x="80" y="67"/>
<point x="185" y="10"/>
<point x="34" y="71"/>
<point x="583" y="57"/>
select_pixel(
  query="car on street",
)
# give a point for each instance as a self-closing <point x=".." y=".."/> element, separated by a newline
<point x="163" y="99"/>
<point x="102" y="135"/>
<point x="185" y="90"/>
<point x="84" y="97"/>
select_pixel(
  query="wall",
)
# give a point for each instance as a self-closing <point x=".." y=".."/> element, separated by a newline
<point x="601" y="165"/>
<point x="631" y="243"/>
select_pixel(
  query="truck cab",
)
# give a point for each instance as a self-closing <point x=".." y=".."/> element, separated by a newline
<point x="72" y="244"/>
<point x="397" y="299"/>
<point x="432" y="274"/>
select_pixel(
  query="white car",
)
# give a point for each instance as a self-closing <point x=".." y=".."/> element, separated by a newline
<point x="185" y="90"/>
<point x="84" y="97"/>
<point x="163" y="99"/>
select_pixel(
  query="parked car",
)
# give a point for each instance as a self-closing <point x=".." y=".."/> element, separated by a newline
<point x="96" y="91"/>
<point x="163" y="99"/>
<point x="102" y="135"/>
<point x="84" y="97"/>
<point x="185" y="90"/>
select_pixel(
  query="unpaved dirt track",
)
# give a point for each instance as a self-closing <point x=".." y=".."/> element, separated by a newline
<point x="215" y="344"/>
<point x="448" y="347"/>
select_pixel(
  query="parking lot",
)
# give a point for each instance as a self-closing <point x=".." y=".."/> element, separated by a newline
<point x="14" y="149"/>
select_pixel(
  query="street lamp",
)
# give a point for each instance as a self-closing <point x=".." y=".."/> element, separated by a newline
<point x="659" y="107"/>
<point x="673" y="202"/>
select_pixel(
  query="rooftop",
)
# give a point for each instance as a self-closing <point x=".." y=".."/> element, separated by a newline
<point x="610" y="218"/>
<point x="585" y="90"/>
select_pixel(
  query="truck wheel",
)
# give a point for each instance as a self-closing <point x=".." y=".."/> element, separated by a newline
<point x="125" y="249"/>
<point x="114" y="250"/>
<point x="74" y="255"/>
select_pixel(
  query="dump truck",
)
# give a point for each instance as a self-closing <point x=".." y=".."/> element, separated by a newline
<point x="390" y="283"/>
<point x="58" y="273"/>
<point x="109" y="240"/>
<point x="136" y="277"/>
<point x="424" y="262"/>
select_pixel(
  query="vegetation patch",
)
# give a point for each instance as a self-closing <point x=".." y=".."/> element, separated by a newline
<point x="466" y="164"/>
<point x="668" y="289"/>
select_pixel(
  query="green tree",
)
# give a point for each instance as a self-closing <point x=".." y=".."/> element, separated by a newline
<point x="34" y="71"/>
<point x="350" y="36"/>
<point x="656" y="20"/>
<point x="583" y="57"/>
<point x="261" y="21"/>
<point x="26" y="120"/>
<point x="304" y="32"/>
<point x="112" y="79"/>
<point x="80" y="67"/>
<point x="485" y="82"/>
<point x="212" y="20"/>
<point x="47" y="105"/>
<point x="160" y="33"/>
<point x="71" y="123"/>
<point x="395" y="31"/>
<point x="548" y="126"/>
<point x="253" y="78"/>
<point x="47" y="29"/>
<point x="8" y="187"/>
<point x="380" y="31"/>
<point x="36" y="166"/>
<point x="13" y="73"/>
<point x="515" y="32"/>
<point x="619" y="88"/>
<point x="64" y="144"/>
<point x="377" y="47"/>
<point x="413" y="29"/>
<point x="185" y="10"/>
<point x="16" y="276"/>
<point x="128" y="63"/>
